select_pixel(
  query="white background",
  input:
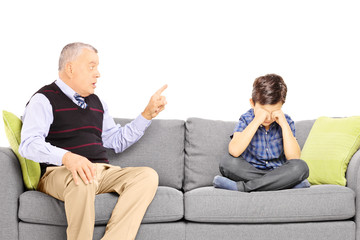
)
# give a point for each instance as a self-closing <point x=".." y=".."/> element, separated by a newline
<point x="208" y="52"/>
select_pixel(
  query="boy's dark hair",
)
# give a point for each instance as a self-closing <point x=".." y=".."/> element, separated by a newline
<point x="269" y="89"/>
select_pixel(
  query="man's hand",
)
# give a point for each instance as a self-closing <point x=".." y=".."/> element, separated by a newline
<point x="279" y="117"/>
<point x="77" y="164"/>
<point x="156" y="104"/>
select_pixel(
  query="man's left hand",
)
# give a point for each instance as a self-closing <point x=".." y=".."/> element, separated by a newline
<point x="156" y="104"/>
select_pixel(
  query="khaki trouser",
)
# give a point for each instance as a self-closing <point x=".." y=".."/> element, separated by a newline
<point x="136" y="187"/>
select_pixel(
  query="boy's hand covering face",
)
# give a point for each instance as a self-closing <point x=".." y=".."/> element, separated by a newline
<point x="262" y="116"/>
<point x="267" y="114"/>
<point x="279" y="117"/>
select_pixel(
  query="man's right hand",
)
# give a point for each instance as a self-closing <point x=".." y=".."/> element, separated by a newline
<point x="79" y="165"/>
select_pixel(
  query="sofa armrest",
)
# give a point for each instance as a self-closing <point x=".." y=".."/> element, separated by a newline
<point x="11" y="185"/>
<point x="353" y="182"/>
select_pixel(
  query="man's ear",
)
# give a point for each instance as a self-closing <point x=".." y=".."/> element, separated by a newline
<point x="69" y="69"/>
<point x="252" y="104"/>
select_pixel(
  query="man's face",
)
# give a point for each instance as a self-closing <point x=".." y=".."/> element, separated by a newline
<point x="85" y="72"/>
<point x="270" y="108"/>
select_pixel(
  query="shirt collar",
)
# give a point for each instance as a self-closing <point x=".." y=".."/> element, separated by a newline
<point x="68" y="91"/>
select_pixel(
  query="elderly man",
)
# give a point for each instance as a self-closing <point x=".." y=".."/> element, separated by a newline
<point x="66" y="128"/>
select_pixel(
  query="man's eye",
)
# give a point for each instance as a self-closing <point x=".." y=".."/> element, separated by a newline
<point x="91" y="68"/>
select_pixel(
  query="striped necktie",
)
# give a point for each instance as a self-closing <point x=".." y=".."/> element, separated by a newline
<point x="80" y="100"/>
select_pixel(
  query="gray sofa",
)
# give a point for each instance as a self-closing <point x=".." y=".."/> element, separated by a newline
<point x="186" y="206"/>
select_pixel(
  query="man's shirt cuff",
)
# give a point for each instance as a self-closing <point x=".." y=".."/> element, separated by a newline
<point x="141" y="123"/>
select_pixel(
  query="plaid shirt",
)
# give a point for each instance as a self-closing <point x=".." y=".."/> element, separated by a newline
<point x="266" y="149"/>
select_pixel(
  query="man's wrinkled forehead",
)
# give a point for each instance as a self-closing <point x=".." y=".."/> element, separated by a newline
<point x="88" y="56"/>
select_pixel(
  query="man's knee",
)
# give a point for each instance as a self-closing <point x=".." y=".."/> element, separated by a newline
<point x="149" y="176"/>
<point x="81" y="191"/>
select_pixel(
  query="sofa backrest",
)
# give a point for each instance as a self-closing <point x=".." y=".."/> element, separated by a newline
<point x="186" y="154"/>
<point x="302" y="130"/>
<point x="206" y="143"/>
<point x="161" y="148"/>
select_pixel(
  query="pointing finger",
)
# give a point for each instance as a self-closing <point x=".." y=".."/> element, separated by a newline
<point x="158" y="92"/>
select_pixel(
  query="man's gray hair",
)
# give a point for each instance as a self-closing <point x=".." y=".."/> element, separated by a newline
<point x="71" y="51"/>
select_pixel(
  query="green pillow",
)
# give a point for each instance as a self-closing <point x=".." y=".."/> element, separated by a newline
<point x="30" y="170"/>
<point x="329" y="147"/>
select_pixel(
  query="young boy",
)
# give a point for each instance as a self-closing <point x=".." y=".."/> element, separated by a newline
<point x="264" y="148"/>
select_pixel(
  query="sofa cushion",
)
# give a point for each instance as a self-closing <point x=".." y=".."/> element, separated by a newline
<point x="206" y="143"/>
<point x="334" y="230"/>
<point x="328" y="149"/>
<point x="37" y="207"/>
<point x="161" y="148"/>
<point x="30" y="170"/>
<point x="173" y="231"/>
<point x="317" y="203"/>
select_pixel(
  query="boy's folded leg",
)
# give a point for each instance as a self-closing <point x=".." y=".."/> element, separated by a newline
<point x="286" y="176"/>
<point x="224" y="183"/>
